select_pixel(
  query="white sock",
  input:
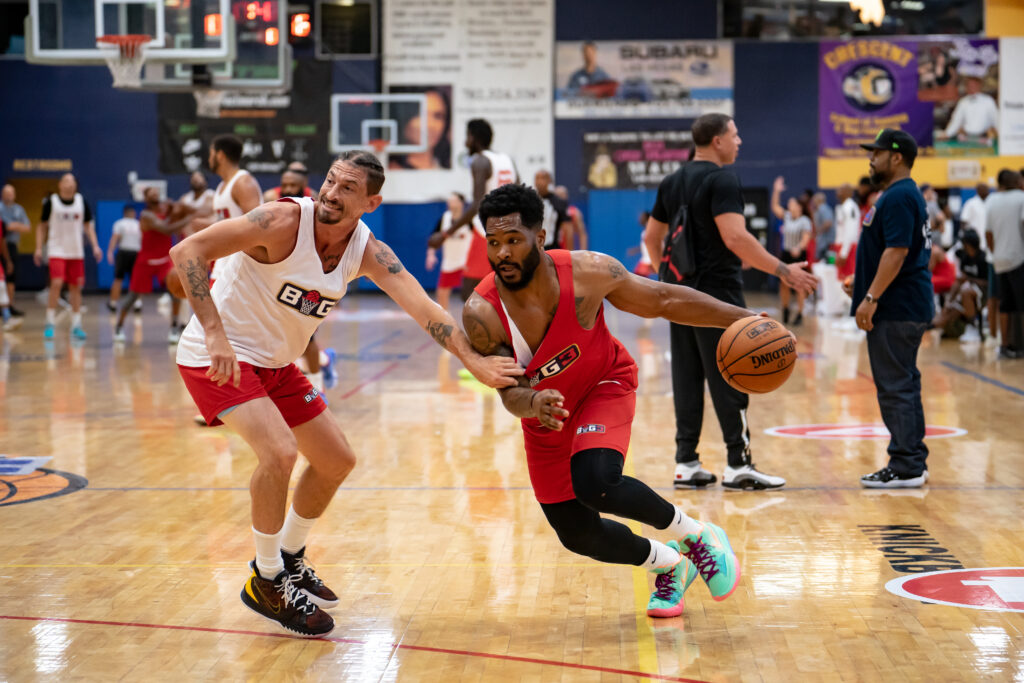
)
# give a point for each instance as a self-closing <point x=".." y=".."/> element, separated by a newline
<point x="51" y="316"/>
<point x="324" y="360"/>
<point x="295" y="531"/>
<point x="76" y="319"/>
<point x="268" y="554"/>
<point x="683" y="525"/>
<point x="661" y="556"/>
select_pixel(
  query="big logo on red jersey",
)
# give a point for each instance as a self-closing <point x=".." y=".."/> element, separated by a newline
<point x="305" y="302"/>
<point x="560" y="362"/>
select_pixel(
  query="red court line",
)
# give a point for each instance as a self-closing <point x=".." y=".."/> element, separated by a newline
<point x="353" y="641"/>
<point x="374" y="378"/>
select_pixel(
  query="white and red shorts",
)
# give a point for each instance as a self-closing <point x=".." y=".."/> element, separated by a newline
<point x="450" y="279"/>
<point x="69" y="270"/>
<point x="288" y="388"/>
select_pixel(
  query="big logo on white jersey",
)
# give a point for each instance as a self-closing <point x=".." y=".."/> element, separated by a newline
<point x="305" y="302"/>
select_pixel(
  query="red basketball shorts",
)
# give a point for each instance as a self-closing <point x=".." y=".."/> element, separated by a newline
<point x="450" y="279"/>
<point x="70" y="270"/>
<point x="146" y="269"/>
<point x="290" y="391"/>
<point x="604" y="419"/>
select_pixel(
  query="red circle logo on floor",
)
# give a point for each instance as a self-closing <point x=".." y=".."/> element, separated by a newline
<point x="998" y="589"/>
<point x="854" y="431"/>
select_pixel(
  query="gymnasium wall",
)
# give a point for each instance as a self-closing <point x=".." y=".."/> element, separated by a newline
<point x="73" y="113"/>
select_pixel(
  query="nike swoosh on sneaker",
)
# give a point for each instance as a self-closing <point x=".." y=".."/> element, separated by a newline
<point x="275" y="608"/>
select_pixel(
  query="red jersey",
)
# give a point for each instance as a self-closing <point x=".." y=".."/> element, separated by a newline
<point x="570" y="359"/>
<point x="155" y="244"/>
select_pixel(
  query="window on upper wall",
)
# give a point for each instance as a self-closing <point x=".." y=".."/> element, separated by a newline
<point x="831" y="19"/>
<point x="12" y="28"/>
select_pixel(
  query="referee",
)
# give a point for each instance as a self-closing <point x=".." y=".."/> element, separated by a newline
<point x="892" y="301"/>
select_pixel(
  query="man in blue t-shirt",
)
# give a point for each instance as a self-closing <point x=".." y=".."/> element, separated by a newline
<point x="892" y="301"/>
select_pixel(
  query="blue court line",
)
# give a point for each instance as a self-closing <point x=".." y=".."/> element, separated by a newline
<point x="983" y="378"/>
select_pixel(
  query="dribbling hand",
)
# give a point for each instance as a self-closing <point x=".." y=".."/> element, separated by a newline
<point x="548" y="404"/>
<point x="224" y="366"/>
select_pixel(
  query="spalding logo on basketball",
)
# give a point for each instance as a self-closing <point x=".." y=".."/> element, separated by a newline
<point x="854" y="431"/>
<point x="996" y="589"/>
<point x="23" y="481"/>
<point x="756" y="354"/>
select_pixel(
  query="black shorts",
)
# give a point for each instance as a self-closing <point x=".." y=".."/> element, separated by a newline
<point x="123" y="263"/>
<point x="788" y="258"/>
<point x="12" y="249"/>
<point x="1011" y="290"/>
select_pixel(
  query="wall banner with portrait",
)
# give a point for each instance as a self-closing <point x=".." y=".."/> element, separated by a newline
<point x="944" y="91"/>
<point x="630" y="160"/>
<point x="499" y="71"/>
<point x="1011" y="98"/>
<point x="643" y="79"/>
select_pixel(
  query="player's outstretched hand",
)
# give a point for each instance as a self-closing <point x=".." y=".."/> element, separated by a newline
<point x="496" y="372"/>
<point x="223" y="364"/>
<point x="548" y="404"/>
<point x="799" y="278"/>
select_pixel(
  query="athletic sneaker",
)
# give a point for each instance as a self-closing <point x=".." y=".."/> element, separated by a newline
<point x="669" y="586"/>
<point x="970" y="335"/>
<point x="17" y="312"/>
<point x="119" y="336"/>
<point x="301" y="573"/>
<point x="48" y="332"/>
<point x="174" y="335"/>
<point x="137" y="306"/>
<point x="111" y="306"/>
<point x="330" y="374"/>
<point x="12" y="323"/>
<point x="749" y="478"/>
<point x="887" y="478"/>
<point x="78" y="333"/>
<point x="281" y="601"/>
<point x="717" y="564"/>
<point x="692" y="475"/>
<point x="200" y="420"/>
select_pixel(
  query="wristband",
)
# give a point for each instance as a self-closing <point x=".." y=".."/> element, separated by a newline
<point x="535" y="395"/>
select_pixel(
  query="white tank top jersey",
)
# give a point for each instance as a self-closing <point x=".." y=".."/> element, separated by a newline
<point x="503" y="172"/>
<point x="190" y="200"/>
<point x="455" y="248"/>
<point x="65" y="238"/>
<point x="224" y="206"/>
<point x="270" y="310"/>
<point x="130" y="232"/>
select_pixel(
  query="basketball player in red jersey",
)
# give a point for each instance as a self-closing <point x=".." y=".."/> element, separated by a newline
<point x="490" y="170"/>
<point x="153" y="260"/>
<point x="577" y="397"/>
<point x="289" y="263"/>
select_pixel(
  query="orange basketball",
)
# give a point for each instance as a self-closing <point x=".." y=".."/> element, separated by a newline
<point x="756" y="355"/>
<point x="174" y="286"/>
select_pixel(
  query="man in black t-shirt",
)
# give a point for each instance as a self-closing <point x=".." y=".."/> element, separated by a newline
<point x="557" y="224"/>
<point x="721" y="244"/>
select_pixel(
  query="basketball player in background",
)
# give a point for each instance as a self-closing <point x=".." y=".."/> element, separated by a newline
<point x="453" y="252"/>
<point x="294" y="183"/>
<point x="198" y="201"/>
<point x="238" y="191"/>
<point x="490" y="170"/>
<point x="66" y="216"/>
<point x="578" y="395"/>
<point x="287" y="264"/>
<point x="153" y="260"/>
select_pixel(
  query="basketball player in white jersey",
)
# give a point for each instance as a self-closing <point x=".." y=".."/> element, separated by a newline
<point x="198" y="201"/>
<point x="66" y="217"/>
<point x="238" y="192"/>
<point x="490" y="170"/>
<point x="291" y="262"/>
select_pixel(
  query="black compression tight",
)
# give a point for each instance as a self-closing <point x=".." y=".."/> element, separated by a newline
<point x="600" y="487"/>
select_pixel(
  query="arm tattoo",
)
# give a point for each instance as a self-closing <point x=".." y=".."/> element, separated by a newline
<point x="260" y="217"/>
<point x="616" y="270"/>
<point x="441" y="332"/>
<point x="198" y="279"/>
<point x="387" y="258"/>
<point x="479" y="336"/>
<point x="781" y="271"/>
<point x="581" y="317"/>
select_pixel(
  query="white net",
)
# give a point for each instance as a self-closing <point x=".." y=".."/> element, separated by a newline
<point x="125" y="59"/>
<point x="208" y="102"/>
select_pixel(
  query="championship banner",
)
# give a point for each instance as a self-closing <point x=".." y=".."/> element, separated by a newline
<point x="942" y="91"/>
<point x="499" y="71"/>
<point x="627" y="160"/>
<point x="643" y="79"/>
<point x="1011" y="95"/>
<point x="274" y="129"/>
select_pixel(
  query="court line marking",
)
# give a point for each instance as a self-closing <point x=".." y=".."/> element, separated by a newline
<point x="646" y="645"/>
<point x="354" y="641"/>
<point x="377" y="375"/>
<point x="983" y="378"/>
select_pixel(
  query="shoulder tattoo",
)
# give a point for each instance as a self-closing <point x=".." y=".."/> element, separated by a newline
<point x="387" y="258"/>
<point x="261" y="217"/>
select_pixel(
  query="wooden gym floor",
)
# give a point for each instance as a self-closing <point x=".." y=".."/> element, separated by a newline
<point x="444" y="564"/>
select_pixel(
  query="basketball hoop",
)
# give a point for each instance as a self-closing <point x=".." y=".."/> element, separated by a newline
<point x="126" y="58"/>
<point x="208" y="102"/>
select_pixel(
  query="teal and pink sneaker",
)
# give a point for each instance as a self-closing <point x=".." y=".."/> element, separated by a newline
<point x="669" y="586"/>
<point x="712" y="554"/>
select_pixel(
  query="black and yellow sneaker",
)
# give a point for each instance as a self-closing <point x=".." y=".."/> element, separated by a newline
<point x="281" y="601"/>
<point x="304" y="578"/>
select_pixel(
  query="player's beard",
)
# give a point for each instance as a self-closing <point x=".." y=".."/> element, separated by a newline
<point x="526" y="270"/>
<point x="323" y="217"/>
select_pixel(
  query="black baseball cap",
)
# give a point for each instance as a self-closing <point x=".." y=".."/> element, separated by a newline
<point x="895" y="141"/>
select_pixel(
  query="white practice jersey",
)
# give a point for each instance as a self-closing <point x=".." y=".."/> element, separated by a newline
<point x="455" y="248"/>
<point x="503" y="172"/>
<point x="190" y="200"/>
<point x="65" y="237"/>
<point x="225" y="206"/>
<point x="270" y="310"/>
